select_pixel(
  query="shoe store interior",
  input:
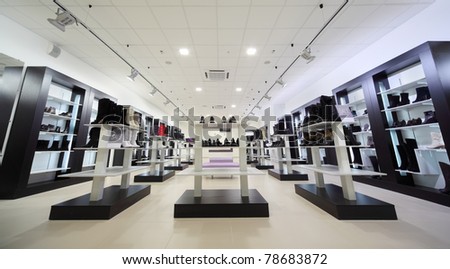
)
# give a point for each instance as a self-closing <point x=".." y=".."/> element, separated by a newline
<point x="224" y="124"/>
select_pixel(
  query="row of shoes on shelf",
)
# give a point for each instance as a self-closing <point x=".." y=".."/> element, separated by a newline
<point x="258" y="134"/>
<point x="422" y="94"/>
<point x="49" y="145"/>
<point x="232" y="119"/>
<point x="324" y="110"/>
<point x="52" y="110"/>
<point x="52" y="128"/>
<point x="317" y="138"/>
<point x="217" y="143"/>
<point x="430" y="117"/>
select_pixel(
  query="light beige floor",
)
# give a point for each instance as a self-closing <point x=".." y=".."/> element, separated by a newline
<point x="293" y="222"/>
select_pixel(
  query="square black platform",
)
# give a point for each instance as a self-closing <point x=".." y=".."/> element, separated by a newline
<point x="284" y="175"/>
<point x="176" y="167"/>
<point x="331" y="199"/>
<point x="264" y="166"/>
<point x="154" y="176"/>
<point x="115" y="200"/>
<point x="221" y="204"/>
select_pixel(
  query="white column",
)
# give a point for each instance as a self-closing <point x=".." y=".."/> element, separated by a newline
<point x="198" y="163"/>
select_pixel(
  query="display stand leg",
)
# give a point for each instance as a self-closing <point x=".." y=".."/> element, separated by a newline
<point x="98" y="185"/>
<point x="348" y="188"/>
<point x="244" y="186"/>
<point x="320" y="183"/>
<point x="125" y="183"/>
<point x="198" y="186"/>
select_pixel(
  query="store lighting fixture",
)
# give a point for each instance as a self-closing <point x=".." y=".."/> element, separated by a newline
<point x="198" y="89"/>
<point x="267" y="97"/>
<point x="133" y="75"/>
<point x="281" y="82"/>
<point x="233" y="106"/>
<point x="239" y="89"/>
<point x="166" y="102"/>
<point x="251" y="51"/>
<point x="258" y="107"/>
<point x="63" y="19"/>
<point x="251" y="113"/>
<point x="306" y="54"/>
<point x="184" y="51"/>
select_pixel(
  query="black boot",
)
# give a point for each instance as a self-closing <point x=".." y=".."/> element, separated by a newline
<point x="103" y="110"/>
<point x="411" y="144"/>
<point x="224" y="120"/>
<point x="430" y="117"/>
<point x="404" y="99"/>
<point x="202" y="119"/>
<point x="374" y="161"/>
<point x="94" y="136"/>
<point x="356" y="156"/>
<point x="423" y="93"/>
<point x="445" y="168"/>
<point x="403" y="157"/>
<point x="394" y="100"/>
<point x="350" y="137"/>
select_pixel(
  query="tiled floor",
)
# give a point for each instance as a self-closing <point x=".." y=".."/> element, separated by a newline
<point x="293" y="222"/>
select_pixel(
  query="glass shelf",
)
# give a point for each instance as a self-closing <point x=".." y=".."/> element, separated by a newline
<point x="50" y="115"/>
<point x="430" y="125"/>
<point x="410" y="106"/>
<point x="418" y="83"/>
<point x="59" y="100"/>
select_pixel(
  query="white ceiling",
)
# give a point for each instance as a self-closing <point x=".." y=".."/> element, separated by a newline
<point x="149" y="33"/>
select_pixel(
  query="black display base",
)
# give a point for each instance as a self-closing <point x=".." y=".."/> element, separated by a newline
<point x="251" y="162"/>
<point x="115" y="200"/>
<point x="187" y="162"/>
<point x="221" y="204"/>
<point x="176" y="167"/>
<point x="154" y="176"/>
<point x="264" y="166"/>
<point x="284" y="175"/>
<point x="331" y="200"/>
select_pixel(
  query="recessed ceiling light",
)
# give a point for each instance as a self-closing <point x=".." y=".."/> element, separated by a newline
<point x="251" y="51"/>
<point x="184" y="51"/>
<point x="233" y="106"/>
<point x="198" y="89"/>
<point x="238" y="89"/>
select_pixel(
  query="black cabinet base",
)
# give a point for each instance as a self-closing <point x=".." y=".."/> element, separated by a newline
<point x="176" y="167"/>
<point x="154" y="176"/>
<point x="284" y="175"/>
<point x="264" y="166"/>
<point x="187" y="162"/>
<point x="115" y="200"/>
<point x="221" y="204"/>
<point x="331" y="200"/>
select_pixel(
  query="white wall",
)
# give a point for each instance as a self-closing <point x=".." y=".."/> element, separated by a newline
<point x="432" y="24"/>
<point x="20" y="43"/>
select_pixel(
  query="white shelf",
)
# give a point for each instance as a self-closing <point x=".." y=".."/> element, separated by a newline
<point x="320" y="125"/>
<point x="364" y="116"/>
<point x="285" y="160"/>
<point x="113" y="125"/>
<point x="418" y="83"/>
<point x="55" y="133"/>
<point x="430" y="125"/>
<point x="150" y="161"/>
<point x="335" y="171"/>
<point x="362" y="132"/>
<point x="96" y="149"/>
<point x="415" y="173"/>
<point x="284" y="135"/>
<point x="435" y="150"/>
<point x="409" y="106"/>
<point x="50" y="115"/>
<point x="220" y="171"/>
<point x="59" y="100"/>
<point x="334" y="146"/>
<point x="110" y="172"/>
<point x="357" y="102"/>
<point x="51" y="151"/>
<point x="48" y="170"/>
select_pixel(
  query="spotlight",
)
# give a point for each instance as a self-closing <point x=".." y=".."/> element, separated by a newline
<point x="63" y="18"/>
<point x="166" y="102"/>
<point x="153" y="92"/>
<point x="306" y="54"/>
<point x="258" y="107"/>
<point x="251" y="113"/>
<point x="281" y="82"/>
<point x="133" y="74"/>
<point x="267" y="97"/>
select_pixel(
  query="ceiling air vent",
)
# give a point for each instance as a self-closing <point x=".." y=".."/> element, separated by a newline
<point x="219" y="107"/>
<point x="217" y="75"/>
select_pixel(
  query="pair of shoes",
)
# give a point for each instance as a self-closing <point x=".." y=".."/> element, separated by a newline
<point x="412" y="122"/>
<point x="48" y="128"/>
<point x="398" y="100"/>
<point x="397" y="124"/>
<point x="50" y="110"/>
<point x="66" y="114"/>
<point x="232" y="120"/>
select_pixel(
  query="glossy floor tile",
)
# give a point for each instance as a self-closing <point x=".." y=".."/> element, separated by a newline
<point x="293" y="221"/>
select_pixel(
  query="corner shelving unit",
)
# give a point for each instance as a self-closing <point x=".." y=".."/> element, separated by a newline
<point x="176" y="157"/>
<point x="281" y="171"/>
<point x="103" y="203"/>
<point x="156" y="172"/>
<point x="198" y="203"/>
<point x="341" y="201"/>
<point x="263" y="160"/>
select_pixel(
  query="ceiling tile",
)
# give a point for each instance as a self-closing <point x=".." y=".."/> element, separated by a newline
<point x="125" y="36"/>
<point x="129" y="2"/>
<point x="230" y="36"/>
<point x="229" y="51"/>
<point x="201" y="17"/>
<point x="92" y="2"/>
<point x="187" y="62"/>
<point x="282" y="36"/>
<point x="206" y="51"/>
<point x="178" y="37"/>
<point x="208" y="63"/>
<point x="151" y="36"/>
<point x="253" y="37"/>
<point x="204" y="36"/>
<point x="170" y="17"/>
<point x="139" y="17"/>
<point x="228" y="63"/>
<point x="294" y="17"/>
<point x="333" y="36"/>
<point x="164" y="2"/>
<point x="108" y="17"/>
<point x="263" y="17"/>
<point x="232" y="17"/>
<point x="139" y="51"/>
<point x="233" y="2"/>
<point x="199" y="3"/>
<point x="353" y="16"/>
